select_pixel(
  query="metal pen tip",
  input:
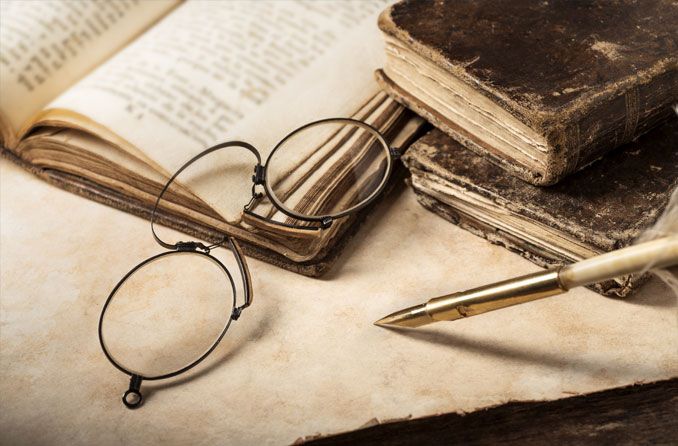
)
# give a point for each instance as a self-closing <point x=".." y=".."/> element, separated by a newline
<point x="409" y="317"/>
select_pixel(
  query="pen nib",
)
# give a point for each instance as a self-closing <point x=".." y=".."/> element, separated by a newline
<point x="409" y="317"/>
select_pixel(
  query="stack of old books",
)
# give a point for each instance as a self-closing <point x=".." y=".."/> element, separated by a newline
<point x="556" y="135"/>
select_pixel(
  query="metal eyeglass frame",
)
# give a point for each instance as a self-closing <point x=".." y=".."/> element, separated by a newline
<point x="261" y="178"/>
<point x="133" y="398"/>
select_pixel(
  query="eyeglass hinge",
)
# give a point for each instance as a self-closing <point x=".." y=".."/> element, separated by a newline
<point x="191" y="246"/>
<point x="259" y="174"/>
<point x="395" y="153"/>
<point x="326" y="222"/>
<point x="255" y="196"/>
<point x="236" y="313"/>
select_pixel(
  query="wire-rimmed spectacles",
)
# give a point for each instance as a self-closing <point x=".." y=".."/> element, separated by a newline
<point x="348" y="162"/>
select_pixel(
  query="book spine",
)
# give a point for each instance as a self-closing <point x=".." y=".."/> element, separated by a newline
<point x="620" y="287"/>
<point x="609" y="122"/>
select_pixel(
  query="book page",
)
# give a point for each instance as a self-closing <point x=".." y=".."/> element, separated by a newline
<point x="304" y="359"/>
<point x="45" y="46"/>
<point x="211" y="71"/>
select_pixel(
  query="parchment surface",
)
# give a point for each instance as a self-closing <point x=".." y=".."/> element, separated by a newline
<point x="305" y="358"/>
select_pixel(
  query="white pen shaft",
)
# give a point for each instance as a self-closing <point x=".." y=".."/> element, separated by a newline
<point x="659" y="253"/>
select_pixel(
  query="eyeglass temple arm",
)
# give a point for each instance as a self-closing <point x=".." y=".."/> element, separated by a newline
<point x="244" y="272"/>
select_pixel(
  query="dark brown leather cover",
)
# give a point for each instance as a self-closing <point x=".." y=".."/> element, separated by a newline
<point x="607" y="205"/>
<point x="589" y="75"/>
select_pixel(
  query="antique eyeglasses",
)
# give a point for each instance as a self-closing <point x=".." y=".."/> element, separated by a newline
<point x="157" y="323"/>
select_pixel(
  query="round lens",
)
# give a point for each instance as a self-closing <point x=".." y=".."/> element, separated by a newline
<point x="327" y="168"/>
<point x="169" y="312"/>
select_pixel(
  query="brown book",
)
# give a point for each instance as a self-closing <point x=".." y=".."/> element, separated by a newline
<point x="108" y="100"/>
<point x="541" y="88"/>
<point x="598" y="209"/>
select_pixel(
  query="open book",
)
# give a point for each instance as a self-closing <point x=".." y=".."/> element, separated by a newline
<point x="109" y="99"/>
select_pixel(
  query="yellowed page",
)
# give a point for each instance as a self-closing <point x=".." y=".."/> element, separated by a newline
<point x="211" y="71"/>
<point x="46" y="46"/>
<point x="304" y="359"/>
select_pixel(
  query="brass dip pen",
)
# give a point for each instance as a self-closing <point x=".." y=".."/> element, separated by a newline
<point x="659" y="253"/>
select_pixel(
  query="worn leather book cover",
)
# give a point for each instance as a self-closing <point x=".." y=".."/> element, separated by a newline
<point x="542" y="89"/>
<point x="598" y="209"/>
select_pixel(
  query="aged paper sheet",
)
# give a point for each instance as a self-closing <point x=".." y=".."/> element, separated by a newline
<point x="305" y="358"/>
<point x="47" y="46"/>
